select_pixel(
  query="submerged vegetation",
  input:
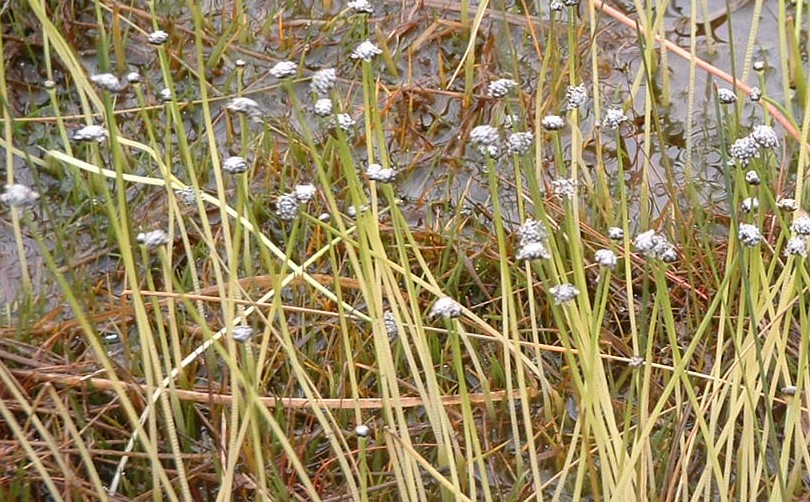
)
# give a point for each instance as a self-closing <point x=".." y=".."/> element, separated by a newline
<point x="441" y="251"/>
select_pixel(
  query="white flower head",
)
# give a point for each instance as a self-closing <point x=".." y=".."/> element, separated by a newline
<point x="284" y="69"/>
<point x="366" y="51"/>
<point x="556" y="6"/>
<point x="153" y="239"/>
<point x="755" y="94"/>
<point x="108" y="82"/>
<point x="361" y="6"/>
<point x="744" y="149"/>
<point x="362" y="430"/>
<point x="446" y="307"/>
<point x="801" y="225"/>
<point x="243" y="334"/>
<point x="519" y="143"/>
<point x="787" y="205"/>
<point x="605" y="258"/>
<point x="510" y="120"/>
<point x="287" y="207"/>
<point x="376" y="172"/>
<point x="564" y="188"/>
<point x="532" y="231"/>
<point x="563" y="293"/>
<point x="91" y="133"/>
<point x="576" y="95"/>
<point x="749" y="235"/>
<point x="484" y="135"/>
<point x="501" y="87"/>
<point x="655" y="246"/>
<point x="305" y="193"/>
<point x="616" y="233"/>
<point x="235" y="165"/>
<point x="726" y="96"/>
<point x="158" y="37"/>
<point x="17" y="195"/>
<point x="758" y="65"/>
<point x="614" y="118"/>
<point x="345" y="121"/>
<point x="166" y="95"/>
<point x="765" y="136"/>
<point x="749" y="204"/>
<point x="752" y="178"/>
<point x="552" y="122"/>
<point x="247" y="106"/>
<point x="532" y="251"/>
<point x="323" y="81"/>
<point x="796" y="246"/>
<point x="391" y="327"/>
<point x="187" y="196"/>
<point x="323" y="107"/>
<point x="133" y="77"/>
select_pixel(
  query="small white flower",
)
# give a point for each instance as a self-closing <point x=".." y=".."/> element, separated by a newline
<point x="744" y="149"/>
<point x="362" y="6"/>
<point x="379" y="173"/>
<point x="247" y="106"/>
<point x="556" y="6"/>
<point x="284" y="69"/>
<point x="614" y="118"/>
<point x="552" y="122"/>
<point x="501" y="87"/>
<point x="532" y="251"/>
<point x="752" y="178"/>
<point x="323" y="81"/>
<point x="187" y="196"/>
<point x="91" y="133"/>
<point x="510" y="120"/>
<point x="323" y="107"/>
<point x="352" y="211"/>
<point x="796" y="246"/>
<point x="17" y="195"/>
<point x="801" y="225"/>
<point x="446" y="307"/>
<point x="243" y="334"/>
<point x="153" y="239"/>
<point x="749" y="204"/>
<point x="726" y="96"/>
<point x="240" y="63"/>
<point x="765" y="136"/>
<point x="563" y="293"/>
<point x="235" y="165"/>
<point x="362" y="430"/>
<point x="645" y="242"/>
<point x="571" y="3"/>
<point x="305" y="193"/>
<point x="532" y="231"/>
<point x="755" y="94"/>
<point x="576" y="95"/>
<point x="520" y="142"/>
<point x="749" y="235"/>
<point x="287" y="207"/>
<point x="564" y="188"/>
<point x="391" y="327"/>
<point x="166" y="95"/>
<point x="484" y="135"/>
<point x="787" y="205"/>
<point x="158" y="37"/>
<point x="616" y="233"/>
<point x="366" y="51"/>
<point x="108" y="82"/>
<point x="345" y="121"/>
<point x="133" y="77"/>
<point x="758" y="65"/>
<point x="605" y="258"/>
<point x="655" y="246"/>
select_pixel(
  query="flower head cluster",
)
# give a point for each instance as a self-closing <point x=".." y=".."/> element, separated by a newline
<point x="576" y="95"/>
<point x="158" y="37"/>
<point x="796" y="246"/>
<point x="655" y="246"/>
<point x="305" y="193"/>
<point x="787" y="205"/>
<point x="323" y="107"/>
<point x="323" y="81"/>
<point x="614" y="118"/>
<point x="166" y="95"/>
<point x="366" y="51"/>
<point x="361" y="6"/>
<point x="446" y="307"/>
<point x="616" y="233"/>
<point x="726" y="96"/>
<point x="801" y="225"/>
<point x="487" y="139"/>
<point x="247" y="106"/>
<point x="391" y="327"/>
<point x="765" y="136"/>
<point x="109" y="82"/>
<point x="287" y="206"/>
<point x="153" y="239"/>
<point x="749" y="235"/>
<point x="755" y="94"/>
<point x="556" y="6"/>
<point x="235" y="165"/>
<point x="345" y="121"/>
<point x="187" y="196"/>
<point x="284" y="69"/>
<point x="752" y="178"/>
<point x="376" y="172"/>
<point x="91" y="133"/>
<point x="744" y="149"/>
<point x="606" y="258"/>
<point x="17" y="195"/>
<point x="519" y="143"/>
<point x="564" y="188"/>
<point x="749" y="204"/>
<point x="533" y="237"/>
<point x="501" y="87"/>
<point x="243" y="334"/>
<point x="552" y="122"/>
<point x="563" y="293"/>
